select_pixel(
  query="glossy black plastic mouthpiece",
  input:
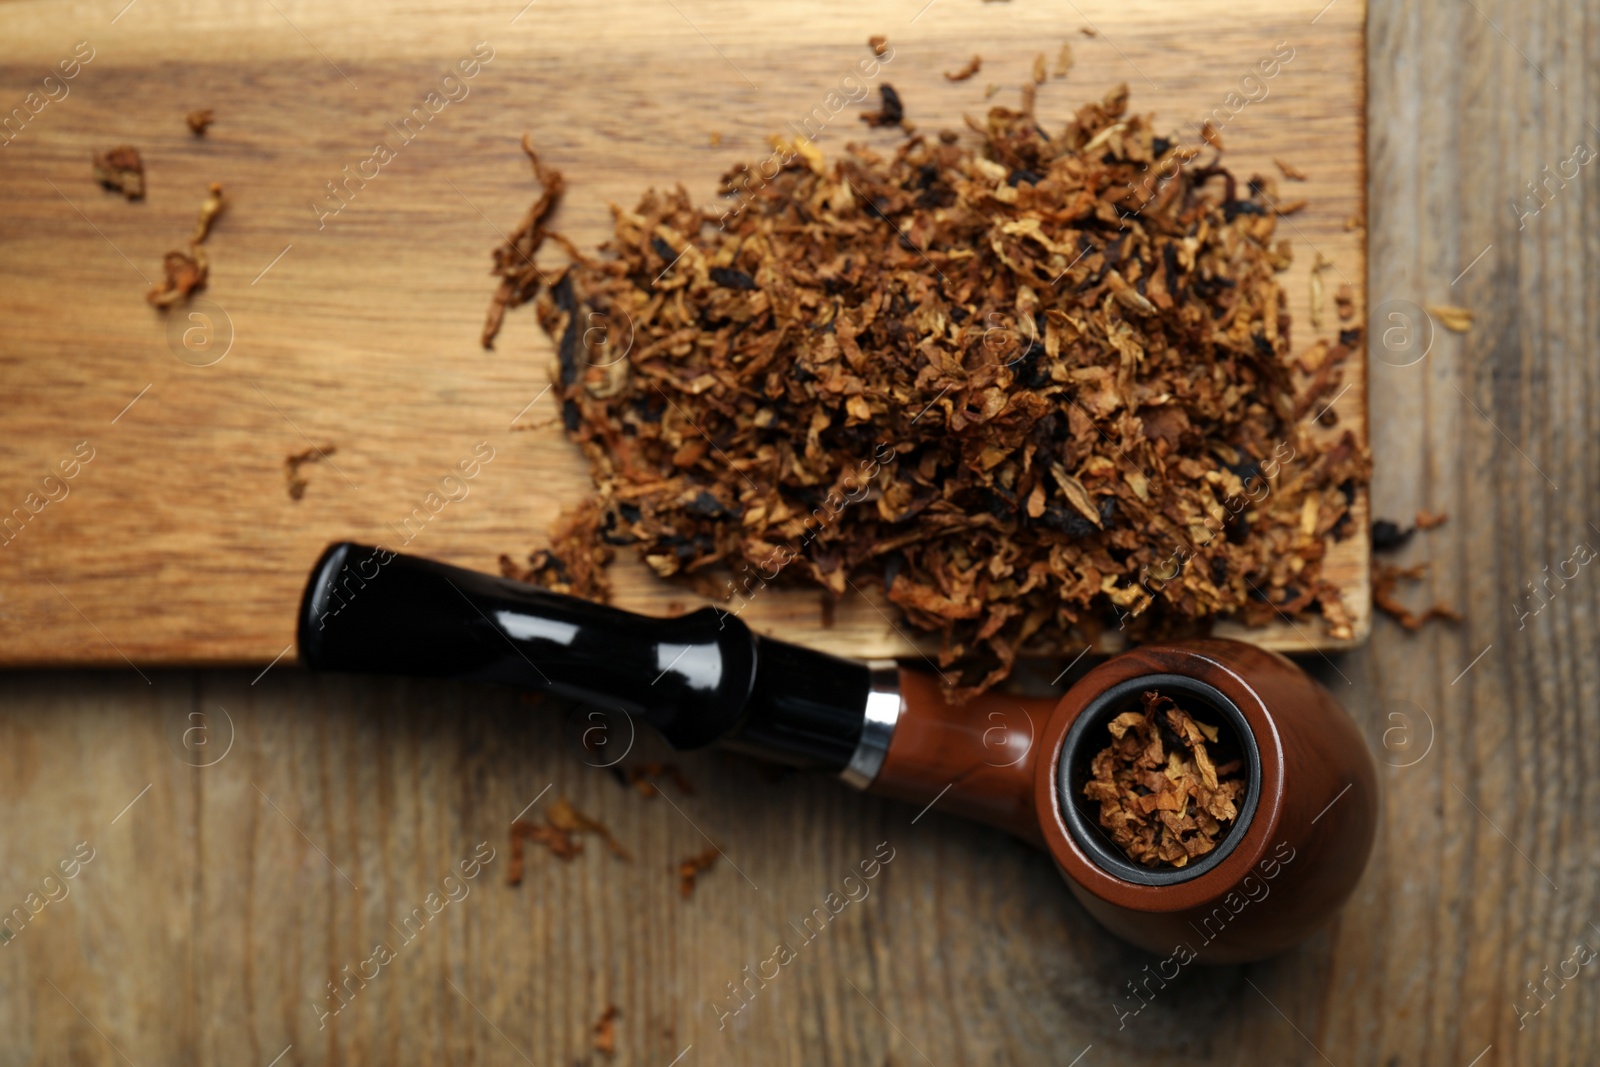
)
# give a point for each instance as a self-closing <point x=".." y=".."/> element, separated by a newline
<point x="700" y="678"/>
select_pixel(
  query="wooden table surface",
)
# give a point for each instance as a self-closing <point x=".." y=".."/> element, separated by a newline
<point x="359" y="329"/>
<point x="216" y="901"/>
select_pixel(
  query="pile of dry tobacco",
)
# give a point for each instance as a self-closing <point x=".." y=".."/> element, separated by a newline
<point x="1033" y="389"/>
<point x="1162" y="800"/>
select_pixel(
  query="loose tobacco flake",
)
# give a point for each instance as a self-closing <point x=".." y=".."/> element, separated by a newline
<point x="121" y="170"/>
<point x="182" y="274"/>
<point x="1293" y="173"/>
<point x="1162" y="800"/>
<point x="198" y="121"/>
<point x="1455" y="319"/>
<point x="513" y="261"/>
<point x="210" y="208"/>
<point x="691" y="869"/>
<point x="1386" y="577"/>
<point x="1031" y="389"/>
<point x="878" y="43"/>
<point x="974" y="65"/>
<point x="605" y="1031"/>
<point x="295" y="460"/>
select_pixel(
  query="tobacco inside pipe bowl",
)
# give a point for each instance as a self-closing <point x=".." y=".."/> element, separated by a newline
<point x="1304" y="824"/>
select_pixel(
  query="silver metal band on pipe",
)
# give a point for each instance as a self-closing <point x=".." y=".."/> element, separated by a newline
<point x="884" y="704"/>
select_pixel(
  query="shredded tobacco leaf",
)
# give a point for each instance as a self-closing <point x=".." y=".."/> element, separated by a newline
<point x="691" y="869"/>
<point x="184" y="272"/>
<point x="605" y="1031"/>
<point x="514" y="260"/>
<point x="974" y="65"/>
<point x="559" y="833"/>
<point x="1162" y="800"/>
<point x="295" y="460"/>
<point x="121" y="170"/>
<point x="576" y="561"/>
<point x="1386" y="578"/>
<point x="198" y="121"/>
<point x="1453" y="318"/>
<point x="1032" y="389"/>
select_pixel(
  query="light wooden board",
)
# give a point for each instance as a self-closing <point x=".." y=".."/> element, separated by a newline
<point x="178" y="542"/>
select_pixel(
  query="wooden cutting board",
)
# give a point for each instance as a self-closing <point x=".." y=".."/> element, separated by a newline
<point x="177" y="542"/>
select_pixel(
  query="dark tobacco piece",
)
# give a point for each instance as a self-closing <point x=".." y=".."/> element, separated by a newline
<point x="295" y="460"/>
<point x="1162" y="800"/>
<point x="890" y="111"/>
<point x="1032" y="389"/>
<point x="1388" y="536"/>
<point x="121" y="170"/>
<point x="199" y="120"/>
<point x="691" y="869"/>
<point x="513" y="260"/>
<point x="878" y="43"/>
<point x="1386" y="578"/>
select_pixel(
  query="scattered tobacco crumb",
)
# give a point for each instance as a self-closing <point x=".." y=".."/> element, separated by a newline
<point x="878" y="43"/>
<point x="974" y="65"/>
<point x="1041" y="69"/>
<point x="1453" y="318"/>
<point x="121" y="170"/>
<point x="990" y="89"/>
<point x="563" y="816"/>
<point x="1291" y="207"/>
<point x="1427" y="520"/>
<point x="1388" y="536"/>
<point x="1211" y="135"/>
<point x="1031" y="389"/>
<point x="716" y="139"/>
<point x="640" y="777"/>
<point x="1318" y="290"/>
<point x="185" y="272"/>
<point x="1063" y="65"/>
<point x="1344" y="299"/>
<point x="691" y="869"/>
<point x="1161" y="798"/>
<point x="295" y="460"/>
<point x="198" y="121"/>
<point x="1293" y="173"/>
<point x="1386" y="577"/>
<point x="513" y="260"/>
<point x="605" y="1031"/>
<point x="889" y="113"/>
<point x="579" y="552"/>
<point x="559" y="833"/>
<point x="1353" y="222"/>
<point x="1089" y="31"/>
<point x="210" y="208"/>
<point x="182" y="274"/>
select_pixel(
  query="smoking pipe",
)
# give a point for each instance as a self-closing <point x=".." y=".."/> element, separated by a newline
<point x="1291" y="857"/>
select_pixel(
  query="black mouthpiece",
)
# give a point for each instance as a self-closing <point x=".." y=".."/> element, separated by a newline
<point x="700" y="678"/>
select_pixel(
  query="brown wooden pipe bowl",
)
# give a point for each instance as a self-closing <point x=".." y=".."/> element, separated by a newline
<point x="1289" y="863"/>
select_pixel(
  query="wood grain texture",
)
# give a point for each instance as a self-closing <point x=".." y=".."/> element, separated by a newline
<point x="206" y="922"/>
<point x="178" y="543"/>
